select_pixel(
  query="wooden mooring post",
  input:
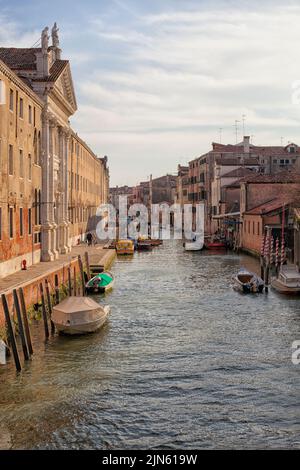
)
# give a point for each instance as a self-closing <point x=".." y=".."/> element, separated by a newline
<point x="44" y="312"/>
<point x="75" y="282"/>
<point x="87" y="265"/>
<point x="56" y="289"/>
<point x="49" y="305"/>
<point x="81" y="275"/>
<point x="69" y="281"/>
<point x="11" y="333"/>
<point x="25" y="320"/>
<point x="20" y="326"/>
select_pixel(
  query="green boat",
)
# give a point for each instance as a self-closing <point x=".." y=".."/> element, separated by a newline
<point x="100" y="283"/>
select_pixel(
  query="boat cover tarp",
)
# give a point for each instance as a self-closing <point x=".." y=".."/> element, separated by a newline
<point x="105" y="279"/>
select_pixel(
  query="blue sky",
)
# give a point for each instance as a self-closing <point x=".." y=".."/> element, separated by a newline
<point x="156" y="80"/>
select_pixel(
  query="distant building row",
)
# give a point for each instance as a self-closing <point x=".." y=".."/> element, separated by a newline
<point x="245" y="189"/>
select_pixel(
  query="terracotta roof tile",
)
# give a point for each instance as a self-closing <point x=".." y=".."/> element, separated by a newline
<point x="284" y="176"/>
<point x="267" y="207"/>
<point x="239" y="172"/>
<point x="19" y="58"/>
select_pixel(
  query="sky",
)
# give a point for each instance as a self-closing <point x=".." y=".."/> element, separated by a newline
<point x="155" y="81"/>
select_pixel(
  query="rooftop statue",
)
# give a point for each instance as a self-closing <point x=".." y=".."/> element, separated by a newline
<point x="54" y="33"/>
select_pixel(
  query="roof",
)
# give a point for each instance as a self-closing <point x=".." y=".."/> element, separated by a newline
<point x="19" y="58"/>
<point x="238" y="172"/>
<point x="56" y="69"/>
<point x="233" y="161"/>
<point x="272" y="150"/>
<point x="284" y="176"/>
<point x="267" y="207"/>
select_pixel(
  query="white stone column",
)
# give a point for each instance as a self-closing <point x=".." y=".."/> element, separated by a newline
<point x="66" y="192"/>
<point x="47" y="254"/>
<point x="52" y="129"/>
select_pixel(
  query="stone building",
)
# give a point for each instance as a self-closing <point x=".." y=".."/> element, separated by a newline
<point x="117" y="191"/>
<point x="20" y="172"/>
<point x="182" y="185"/>
<point x="204" y="170"/>
<point x="38" y="100"/>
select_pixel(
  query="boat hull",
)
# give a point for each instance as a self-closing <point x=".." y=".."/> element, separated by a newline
<point x="284" y="289"/>
<point x="215" y="246"/>
<point x="91" y="327"/>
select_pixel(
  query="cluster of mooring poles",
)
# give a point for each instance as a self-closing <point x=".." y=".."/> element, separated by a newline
<point x="48" y="300"/>
<point x="270" y="254"/>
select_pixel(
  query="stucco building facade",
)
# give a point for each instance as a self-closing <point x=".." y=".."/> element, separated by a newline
<point x="51" y="178"/>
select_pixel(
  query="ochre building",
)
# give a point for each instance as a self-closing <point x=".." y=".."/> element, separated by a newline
<point x="51" y="181"/>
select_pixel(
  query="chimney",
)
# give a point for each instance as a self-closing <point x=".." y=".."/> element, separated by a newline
<point x="246" y="143"/>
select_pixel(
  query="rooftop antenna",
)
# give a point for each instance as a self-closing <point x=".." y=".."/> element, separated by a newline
<point x="252" y="137"/>
<point x="244" y="119"/>
<point x="281" y="140"/>
<point x="236" y="130"/>
<point x="220" y="133"/>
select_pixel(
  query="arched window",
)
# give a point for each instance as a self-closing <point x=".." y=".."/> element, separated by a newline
<point x="39" y="153"/>
<point x="35" y="152"/>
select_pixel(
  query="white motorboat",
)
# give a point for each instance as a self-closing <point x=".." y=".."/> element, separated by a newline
<point x="287" y="282"/>
<point x="79" y="315"/>
<point x="196" y="244"/>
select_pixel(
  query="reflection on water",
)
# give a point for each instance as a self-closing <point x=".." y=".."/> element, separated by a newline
<point x="184" y="362"/>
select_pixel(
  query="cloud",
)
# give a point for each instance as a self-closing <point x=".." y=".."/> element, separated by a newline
<point x="180" y="75"/>
<point x="155" y="81"/>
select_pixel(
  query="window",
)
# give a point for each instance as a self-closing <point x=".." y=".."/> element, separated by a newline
<point x="258" y="228"/>
<point x="29" y="167"/>
<point x="21" y="110"/>
<point x="10" y="160"/>
<point x="30" y="114"/>
<point x="2" y="92"/>
<point x="11" y="222"/>
<point x="29" y="222"/>
<point x="11" y="100"/>
<point x="21" y="222"/>
<point x="34" y="116"/>
<point x="21" y="164"/>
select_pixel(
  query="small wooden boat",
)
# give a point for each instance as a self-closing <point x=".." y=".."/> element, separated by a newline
<point x="144" y="245"/>
<point x="215" y="245"/>
<point x="247" y="282"/>
<point x="79" y="315"/>
<point x="100" y="283"/>
<point x="195" y="245"/>
<point x="156" y="241"/>
<point x="125" y="247"/>
<point x="287" y="282"/>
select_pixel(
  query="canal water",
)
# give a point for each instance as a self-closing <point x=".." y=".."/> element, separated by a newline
<point x="183" y="362"/>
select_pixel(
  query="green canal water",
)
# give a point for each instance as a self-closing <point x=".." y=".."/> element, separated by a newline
<point x="183" y="362"/>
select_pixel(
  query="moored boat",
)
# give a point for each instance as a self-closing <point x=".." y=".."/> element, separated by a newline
<point x="79" y="315"/>
<point x="196" y="244"/>
<point x="100" y="283"/>
<point x="247" y="282"/>
<point x="217" y="245"/>
<point x="287" y="282"/>
<point x="156" y="241"/>
<point x="144" y="245"/>
<point x="125" y="247"/>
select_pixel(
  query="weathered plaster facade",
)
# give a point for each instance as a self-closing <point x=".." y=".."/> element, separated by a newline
<point x="37" y="101"/>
